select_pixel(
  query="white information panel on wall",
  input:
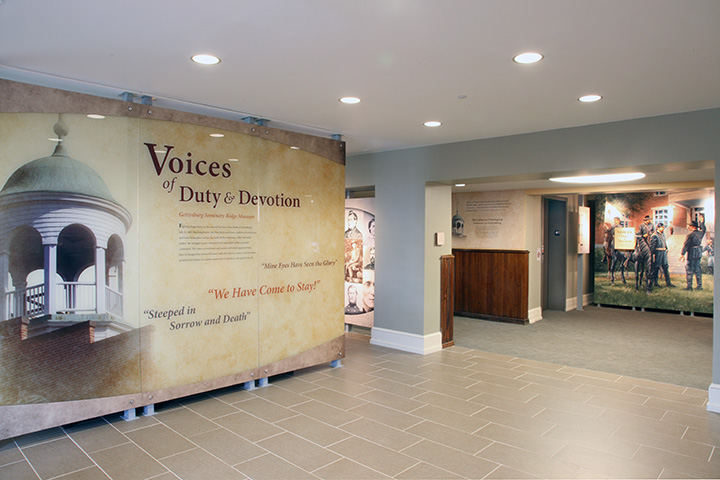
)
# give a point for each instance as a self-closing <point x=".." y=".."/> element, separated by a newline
<point x="489" y="220"/>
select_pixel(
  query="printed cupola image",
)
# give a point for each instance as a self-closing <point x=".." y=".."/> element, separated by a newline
<point x="62" y="237"/>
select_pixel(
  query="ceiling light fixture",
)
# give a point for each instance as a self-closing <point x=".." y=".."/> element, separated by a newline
<point x="350" y="100"/>
<point x="459" y="184"/>
<point x="606" y="178"/>
<point x="294" y="148"/>
<point x="205" y="59"/>
<point x="527" y="57"/>
<point x="95" y="116"/>
<point x="590" y="98"/>
<point x="432" y="123"/>
<point x="217" y="135"/>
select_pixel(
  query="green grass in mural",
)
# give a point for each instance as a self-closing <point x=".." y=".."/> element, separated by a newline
<point x="662" y="298"/>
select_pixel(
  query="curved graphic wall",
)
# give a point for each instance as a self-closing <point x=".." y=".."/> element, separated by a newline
<point x="153" y="254"/>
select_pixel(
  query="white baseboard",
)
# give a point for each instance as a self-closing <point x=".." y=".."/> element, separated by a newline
<point x="535" y="314"/>
<point x="571" y="303"/>
<point x="407" y="342"/>
<point x="713" y="404"/>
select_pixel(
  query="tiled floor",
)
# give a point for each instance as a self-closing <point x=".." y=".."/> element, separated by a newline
<point x="458" y="413"/>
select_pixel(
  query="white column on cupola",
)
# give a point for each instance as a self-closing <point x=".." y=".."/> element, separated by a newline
<point x="100" y="304"/>
<point x="50" y="282"/>
<point x="4" y="272"/>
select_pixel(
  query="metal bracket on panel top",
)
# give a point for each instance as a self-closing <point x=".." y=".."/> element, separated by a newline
<point x="263" y="122"/>
<point x="128" y="96"/>
<point x="146" y="100"/>
<point x="336" y="136"/>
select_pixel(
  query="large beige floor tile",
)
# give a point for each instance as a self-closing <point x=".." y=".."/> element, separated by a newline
<point x="93" y="435"/>
<point x="56" y="457"/>
<point x="199" y="465"/>
<point x="313" y="430"/>
<point x="160" y="441"/>
<point x="271" y="467"/>
<point x="9" y="452"/>
<point x="373" y="456"/>
<point x="345" y="469"/>
<point x="127" y="462"/>
<point x="18" y="471"/>
<point x="227" y="446"/>
<point x="298" y="451"/>
<point x="248" y="426"/>
<point x="450" y="437"/>
<point x="381" y="434"/>
<point x="455" y="461"/>
<point x="185" y="421"/>
<point x="325" y="413"/>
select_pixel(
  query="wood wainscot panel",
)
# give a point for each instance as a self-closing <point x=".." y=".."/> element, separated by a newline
<point x="492" y="284"/>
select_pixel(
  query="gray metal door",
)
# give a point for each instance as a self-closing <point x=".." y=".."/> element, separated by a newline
<point x="555" y="254"/>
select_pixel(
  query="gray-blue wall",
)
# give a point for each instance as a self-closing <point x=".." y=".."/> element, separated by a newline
<point x="400" y="178"/>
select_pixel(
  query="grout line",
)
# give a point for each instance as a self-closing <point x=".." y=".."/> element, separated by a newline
<point x="26" y="459"/>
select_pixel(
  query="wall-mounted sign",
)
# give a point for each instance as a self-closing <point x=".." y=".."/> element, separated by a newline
<point x="583" y="230"/>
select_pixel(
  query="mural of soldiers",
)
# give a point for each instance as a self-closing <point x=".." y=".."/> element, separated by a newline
<point x="693" y="248"/>
<point x="643" y="255"/>
<point x="658" y="247"/>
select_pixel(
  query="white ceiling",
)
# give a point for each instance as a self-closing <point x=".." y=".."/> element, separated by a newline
<point x="409" y="60"/>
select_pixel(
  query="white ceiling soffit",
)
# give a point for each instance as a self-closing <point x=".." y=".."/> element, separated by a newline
<point x="408" y="60"/>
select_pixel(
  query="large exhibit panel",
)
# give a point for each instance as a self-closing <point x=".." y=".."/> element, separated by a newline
<point x="198" y="257"/>
<point x="68" y="210"/>
<point x="153" y="254"/>
<point x="300" y="263"/>
<point x="656" y="250"/>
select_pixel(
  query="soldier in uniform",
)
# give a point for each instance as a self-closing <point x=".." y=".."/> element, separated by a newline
<point x="646" y="228"/>
<point x="658" y="247"/>
<point x="643" y="256"/>
<point x="693" y="248"/>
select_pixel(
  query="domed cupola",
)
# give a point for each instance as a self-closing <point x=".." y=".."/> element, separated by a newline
<point x="57" y="173"/>
<point x="59" y="220"/>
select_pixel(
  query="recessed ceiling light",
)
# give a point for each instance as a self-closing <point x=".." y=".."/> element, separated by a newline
<point x="205" y="59"/>
<point x="527" y="57"/>
<point x="432" y="123"/>
<point x="217" y="135"/>
<point x="233" y="160"/>
<point x="459" y="184"/>
<point x="608" y="178"/>
<point x="589" y="98"/>
<point x="95" y="116"/>
<point x="294" y="148"/>
<point x="350" y="100"/>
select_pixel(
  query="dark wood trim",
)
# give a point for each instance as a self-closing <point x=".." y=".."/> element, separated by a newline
<point x="447" y="295"/>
